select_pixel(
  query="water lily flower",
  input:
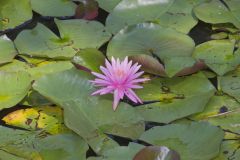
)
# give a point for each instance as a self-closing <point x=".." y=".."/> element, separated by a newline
<point x="119" y="78"/>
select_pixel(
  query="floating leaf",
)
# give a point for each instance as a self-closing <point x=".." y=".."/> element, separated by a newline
<point x="14" y="13"/>
<point x="92" y="59"/>
<point x="14" y="87"/>
<point x="38" y="146"/>
<point x="54" y="8"/>
<point x="215" y="11"/>
<point x="108" y="5"/>
<point x="83" y="34"/>
<point x="152" y="39"/>
<point x="71" y="89"/>
<point x="218" y="55"/>
<point x="190" y="140"/>
<point x="229" y="150"/>
<point x="48" y="67"/>
<point x="175" y="97"/>
<point x="230" y="83"/>
<point x="222" y="111"/>
<point x="49" y="119"/>
<point x="130" y="12"/>
<point x="8" y="51"/>
<point x="179" y="16"/>
<point x="41" y="42"/>
<point x="120" y="153"/>
<point x="5" y="155"/>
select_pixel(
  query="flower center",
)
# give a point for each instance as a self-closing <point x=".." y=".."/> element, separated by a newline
<point x="120" y="73"/>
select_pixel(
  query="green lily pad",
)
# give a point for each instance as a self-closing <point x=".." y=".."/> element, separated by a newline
<point x="5" y="156"/>
<point x="8" y="52"/>
<point x="71" y="89"/>
<point x="152" y="39"/>
<point x="130" y="12"/>
<point x="230" y="84"/>
<point x="120" y="152"/>
<point x="35" y="145"/>
<point x="15" y="86"/>
<point x="229" y="150"/>
<point x="14" y="13"/>
<point x="90" y="58"/>
<point x="62" y="147"/>
<point x="222" y="111"/>
<point x="191" y="141"/>
<point x="48" y="67"/>
<point x="83" y="34"/>
<point x="14" y="66"/>
<point x="41" y="42"/>
<point x="108" y="5"/>
<point x="215" y="11"/>
<point x="218" y="55"/>
<point x="179" y="16"/>
<point x="175" y="97"/>
<point x="54" y="8"/>
<point x="33" y="98"/>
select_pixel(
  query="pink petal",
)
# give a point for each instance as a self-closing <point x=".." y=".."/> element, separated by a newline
<point x="116" y="99"/>
<point x="100" y="76"/>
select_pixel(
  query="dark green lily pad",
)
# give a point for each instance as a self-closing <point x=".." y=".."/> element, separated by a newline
<point x="175" y="97"/>
<point x="152" y="39"/>
<point x="190" y="140"/>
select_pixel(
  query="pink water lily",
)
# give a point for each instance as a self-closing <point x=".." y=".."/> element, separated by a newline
<point x="119" y="78"/>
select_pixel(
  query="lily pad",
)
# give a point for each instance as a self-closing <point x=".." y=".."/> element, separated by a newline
<point x="174" y="98"/>
<point x="217" y="12"/>
<point x="230" y="83"/>
<point x="229" y="150"/>
<point x="35" y="145"/>
<point x="120" y="153"/>
<point x="179" y="16"/>
<point x="81" y="111"/>
<point x="83" y="34"/>
<point x="130" y="12"/>
<point x="108" y="5"/>
<point x="8" y="52"/>
<point x="41" y="42"/>
<point x="91" y="59"/>
<point x="14" y="13"/>
<point x="49" y="119"/>
<point x="222" y="111"/>
<point x="54" y="8"/>
<point x="218" y="55"/>
<point x="15" y="86"/>
<point x="190" y="140"/>
<point x="152" y="39"/>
